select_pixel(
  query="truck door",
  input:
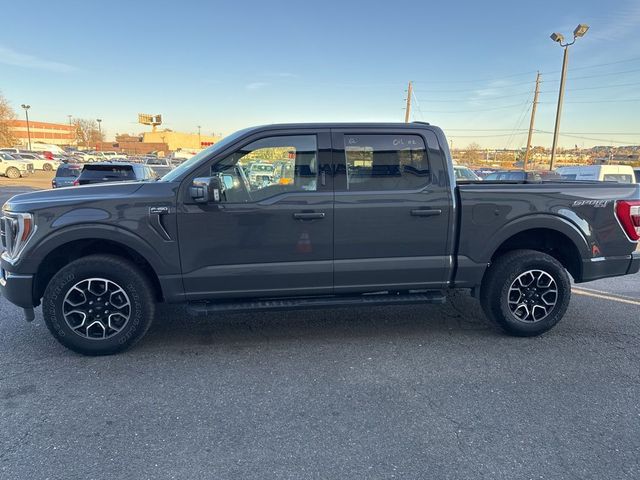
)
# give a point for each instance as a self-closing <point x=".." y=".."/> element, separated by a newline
<point x="272" y="232"/>
<point x="392" y="210"/>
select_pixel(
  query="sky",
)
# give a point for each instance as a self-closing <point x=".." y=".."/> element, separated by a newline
<point x="228" y="65"/>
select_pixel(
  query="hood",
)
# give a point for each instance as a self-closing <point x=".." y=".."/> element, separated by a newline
<point x="34" y="201"/>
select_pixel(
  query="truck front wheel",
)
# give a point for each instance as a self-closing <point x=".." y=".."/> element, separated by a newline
<point x="98" y="305"/>
<point x="12" y="172"/>
<point x="525" y="292"/>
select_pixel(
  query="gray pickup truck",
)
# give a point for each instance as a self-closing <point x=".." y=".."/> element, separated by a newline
<point x="363" y="214"/>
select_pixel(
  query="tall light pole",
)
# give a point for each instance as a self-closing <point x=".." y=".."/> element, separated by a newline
<point x="579" y="31"/>
<point x="99" y="120"/>
<point x="26" y="113"/>
<point x="199" y="140"/>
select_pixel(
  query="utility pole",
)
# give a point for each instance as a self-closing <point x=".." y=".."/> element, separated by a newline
<point x="533" y="119"/>
<point x="407" y="110"/>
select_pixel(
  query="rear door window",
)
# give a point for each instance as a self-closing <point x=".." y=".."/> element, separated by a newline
<point x="617" y="177"/>
<point x="386" y="162"/>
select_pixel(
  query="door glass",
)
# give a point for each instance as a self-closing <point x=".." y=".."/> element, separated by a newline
<point x="386" y="162"/>
<point x="268" y="167"/>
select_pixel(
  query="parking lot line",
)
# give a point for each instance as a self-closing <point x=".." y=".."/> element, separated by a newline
<point x="605" y="296"/>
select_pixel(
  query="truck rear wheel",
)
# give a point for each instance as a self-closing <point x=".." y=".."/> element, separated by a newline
<point x="98" y="305"/>
<point x="47" y="167"/>
<point x="525" y="292"/>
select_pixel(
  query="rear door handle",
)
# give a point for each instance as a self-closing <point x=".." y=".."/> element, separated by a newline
<point x="426" y="212"/>
<point x="308" y="215"/>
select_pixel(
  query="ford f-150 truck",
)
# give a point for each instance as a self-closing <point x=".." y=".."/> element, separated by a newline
<point x="370" y="214"/>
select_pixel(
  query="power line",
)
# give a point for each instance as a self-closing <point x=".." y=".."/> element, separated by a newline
<point x="521" y="74"/>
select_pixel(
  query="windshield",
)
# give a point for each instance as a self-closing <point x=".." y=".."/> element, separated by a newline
<point x="186" y="166"/>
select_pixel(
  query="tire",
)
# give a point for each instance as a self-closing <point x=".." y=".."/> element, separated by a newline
<point x="47" y="167"/>
<point x="115" y="283"/>
<point x="517" y="292"/>
<point x="12" y="172"/>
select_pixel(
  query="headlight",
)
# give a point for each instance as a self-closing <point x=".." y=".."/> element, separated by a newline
<point x="16" y="229"/>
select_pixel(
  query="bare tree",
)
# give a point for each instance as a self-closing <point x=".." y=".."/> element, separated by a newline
<point x="472" y="153"/>
<point x="6" y="114"/>
<point x="87" y="132"/>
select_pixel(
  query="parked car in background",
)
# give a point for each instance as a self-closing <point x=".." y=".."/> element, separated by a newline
<point x="602" y="173"/>
<point x="514" y="176"/>
<point x="39" y="162"/>
<point x="13" y="167"/>
<point x="103" y="172"/>
<point x="111" y="155"/>
<point x="465" y="173"/>
<point x="46" y="147"/>
<point x="66" y="174"/>
<point x="160" y="166"/>
<point x="261" y="174"/>
<point x="10" y="150"/>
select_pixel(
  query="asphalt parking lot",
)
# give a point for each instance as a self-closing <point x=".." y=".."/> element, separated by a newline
<point x="413" y="392"/>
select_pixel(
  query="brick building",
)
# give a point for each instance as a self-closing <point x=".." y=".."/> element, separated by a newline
<point x="43" y="132"/>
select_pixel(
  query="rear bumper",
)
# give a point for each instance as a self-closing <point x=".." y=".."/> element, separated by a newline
<point x="603" y="267"/>
<point x="17" y="288"/>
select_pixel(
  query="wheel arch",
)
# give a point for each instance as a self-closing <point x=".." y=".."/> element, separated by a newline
<point x="549" y="234"/>
<point x="69" y="244"/>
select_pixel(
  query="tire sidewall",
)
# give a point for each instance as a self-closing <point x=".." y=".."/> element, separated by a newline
<point x="82" y="270"/>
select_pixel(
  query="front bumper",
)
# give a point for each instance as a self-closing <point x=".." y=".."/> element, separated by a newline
<point x="17" y="288"/>
<point x="603" y="267"/>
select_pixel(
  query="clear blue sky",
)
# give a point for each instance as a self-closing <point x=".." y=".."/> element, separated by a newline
<point x="227" y="65"/>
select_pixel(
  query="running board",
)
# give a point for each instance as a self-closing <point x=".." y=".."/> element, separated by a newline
<point x="435" y="296"/>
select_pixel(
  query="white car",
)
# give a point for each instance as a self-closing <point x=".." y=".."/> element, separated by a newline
<point x="13" y="167"/>
<point x="602" y="173"/>
<point x="39" y="162"/>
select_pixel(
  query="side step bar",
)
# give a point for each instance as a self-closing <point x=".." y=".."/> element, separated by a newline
<point x="377" y="299"/>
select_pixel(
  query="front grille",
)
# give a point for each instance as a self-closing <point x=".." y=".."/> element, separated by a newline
<point x="8" y="229"/>
<point x="3" y="233"/>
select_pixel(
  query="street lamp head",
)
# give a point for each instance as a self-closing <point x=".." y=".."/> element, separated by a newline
<point x="25" y="106"/>
<point x="98" y="120"/>
<point x="580" y="30"/>
<point x="557" y="37"/>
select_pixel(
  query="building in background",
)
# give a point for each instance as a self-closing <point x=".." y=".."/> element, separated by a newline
<point x="177" y="141"/>
<point x="43" y="132"/>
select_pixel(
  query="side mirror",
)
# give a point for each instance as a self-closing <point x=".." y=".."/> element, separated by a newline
<point x="206" y="189"/>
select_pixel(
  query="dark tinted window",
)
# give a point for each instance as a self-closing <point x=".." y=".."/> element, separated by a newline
<point x="637" y="172"/>
<point x="386" y="162"/>
<point x="110" y="172"/>
<point x="67" y="171"/>
<point x="508" y="176"/>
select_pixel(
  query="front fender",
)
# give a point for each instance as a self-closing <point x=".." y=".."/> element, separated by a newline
<point x="34" y="256"/>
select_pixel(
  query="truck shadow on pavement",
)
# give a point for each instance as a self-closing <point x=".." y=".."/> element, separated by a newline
<point x="175" y="327"/>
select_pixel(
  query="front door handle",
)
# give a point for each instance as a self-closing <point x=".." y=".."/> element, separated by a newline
<point x="426" y="212"/>
<point x="308" y="215"/>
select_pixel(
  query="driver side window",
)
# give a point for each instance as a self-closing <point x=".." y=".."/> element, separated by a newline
<point x="268" y="167"/>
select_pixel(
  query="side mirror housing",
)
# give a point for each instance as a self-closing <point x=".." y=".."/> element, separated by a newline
<point x="206" y="189"/>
